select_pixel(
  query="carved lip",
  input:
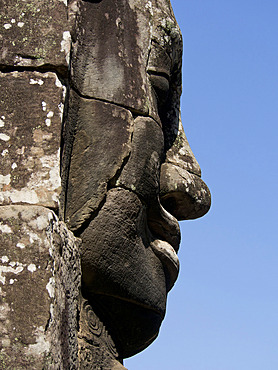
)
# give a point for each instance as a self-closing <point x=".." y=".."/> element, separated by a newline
<point x="168" y="256"/>
<point x="165" y="244"/>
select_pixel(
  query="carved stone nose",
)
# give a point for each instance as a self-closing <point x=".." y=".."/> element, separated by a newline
<point x="183" y="194"/>
<point x="182" y="191"/>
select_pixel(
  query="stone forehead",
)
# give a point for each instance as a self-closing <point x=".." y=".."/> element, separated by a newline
<point x="164" y="28"/>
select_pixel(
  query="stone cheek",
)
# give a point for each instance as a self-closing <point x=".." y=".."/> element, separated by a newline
<point x="141" y="173"/>
<point x="39" y="287"/>
<point x="97" y="145"/>
<point x="33" y="33"/>
<point x="31" y="108"/>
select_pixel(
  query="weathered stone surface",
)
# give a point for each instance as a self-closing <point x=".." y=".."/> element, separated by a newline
<point x="182" y="193"/>
<point x="31" y="107"/>
<point x="97" y="349"/>
<point x="102" y="65"/>
<point x="128" y="173"/>
<point x="180" y="153"/>
<point x="39" y="289"/>
<point x="123" y="123"/>
<point x="97" y="143"/>
<point x="34" y="33"/>
<point x="141" y="173"/>
<point x="122" y="273"/>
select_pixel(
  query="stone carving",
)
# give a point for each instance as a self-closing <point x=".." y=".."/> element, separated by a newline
<point x="128" y="172"/>
<point x="107" y="75"/>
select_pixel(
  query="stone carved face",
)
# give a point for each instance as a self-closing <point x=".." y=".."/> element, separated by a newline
<point x="128" y="171"/>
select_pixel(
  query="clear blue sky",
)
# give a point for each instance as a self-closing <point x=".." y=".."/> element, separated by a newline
<point x="223" y="311"/>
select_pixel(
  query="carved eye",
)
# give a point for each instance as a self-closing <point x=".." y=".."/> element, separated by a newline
<point x="160" y="83"/>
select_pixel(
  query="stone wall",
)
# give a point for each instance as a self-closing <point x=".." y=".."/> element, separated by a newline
<point x="39" y="256"/>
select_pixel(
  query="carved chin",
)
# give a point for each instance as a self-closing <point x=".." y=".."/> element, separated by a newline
<point x="124" y="272"/>
<point x="132" y="326"/>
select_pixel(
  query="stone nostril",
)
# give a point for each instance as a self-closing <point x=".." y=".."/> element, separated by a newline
<point x="163" y="225"/>
<point x="169" y="203"/>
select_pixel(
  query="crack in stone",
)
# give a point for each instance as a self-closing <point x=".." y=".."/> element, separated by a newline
<point x="61" y="71"/>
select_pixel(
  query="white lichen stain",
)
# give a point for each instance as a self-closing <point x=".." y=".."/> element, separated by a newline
<point x="50" y="287"/>
<point x="9" y="269"/>
<point x="7" y="26"/>
<point x="182" y="151"/>
<point x="50" y="216"/>
<point x="14" y="165"/>
<point x="4" y="311"/>
<point x="52" y="162"/>
<point x="12" y="281"/>
<point x="48" y="122"/>
<point x="5" y="179"/>
<point x="50" y="114"/>
<point x="2" y="123"/>
<point x="4" y="152"/>
<point x="32" y="267"/>
<point x="20" y="245"/>
<point x="47" y="178"/>
<point x="149" y="7"/>
<point x="13" y="20"/>
<point x="4" y="137"/>
<point x="20" y="151"/>
<point x="61" y="109"/>
<point x="64" y="1"/>
<point x="39" y="223"/>
<point x="44" y="106"/>
<point x="41" y="346"/>
<point x="58" y="82"/>
<point x="33" y="237"/>
<point x="55" y="198"/>
<point x="5" y="259"/>
<point x="6" y="342"/>
<point x="5" y="228"/>
<point x="66" y="45"/>
<point x="36" y="81"/>
<point x="20" y="24"/>
<point x="20" y="196"/>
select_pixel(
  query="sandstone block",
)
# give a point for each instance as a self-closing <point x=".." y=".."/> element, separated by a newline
<point x="31" y="107"/>
<point x="39" y="290"/>
<point x="34" y="33"/>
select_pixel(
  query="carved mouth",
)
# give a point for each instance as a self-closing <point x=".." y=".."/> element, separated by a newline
<point x="166" y="242"/>
<point x="168" y="256"/>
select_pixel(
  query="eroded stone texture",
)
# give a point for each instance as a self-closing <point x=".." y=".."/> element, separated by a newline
<point x="127" y="168"/>
<point x="31" y="108"/>
<point x="128" y="174"/>
<point x="141" y="173"/>
<point x="101" y="65"/>
<point x="39" y="290"/>
<point x="34" y="33"/>
<point x="121" y="272"/>
<point x="96" y="347"/>
<point x="98" y="138"/>
<point x="183" y="194"/>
